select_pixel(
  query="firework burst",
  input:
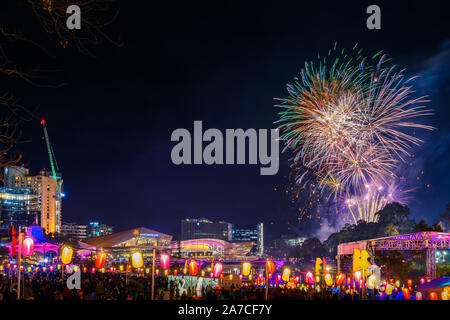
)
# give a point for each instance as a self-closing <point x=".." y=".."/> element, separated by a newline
<point x="346" y="122"/>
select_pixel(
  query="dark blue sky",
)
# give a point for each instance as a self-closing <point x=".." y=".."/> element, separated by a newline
<point x="222" y="63"/>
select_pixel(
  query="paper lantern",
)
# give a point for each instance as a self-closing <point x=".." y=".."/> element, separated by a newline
<point x="137" y="260"/>
<point x="422" y="280"/>
<point x="286" y="274"/>
<point x="418" y="296"/>
<point x="193" y="268"/>
<point x="218" y="268"/>
<point x="270" y="266"/>
<point x="433" y="296"/>
<point x="100" y="260"/>
<point x="27" y="247"/>
<point x="246" y="268"/>
<point x="328" y="280"/>
<point x="66" y="255"/>
<point x="444" y="295"/>
<point x="340" y="278"/>
<point x="371" y="281"/>
<point x="165" y="261"/>
<point x="397" y="283"/>
<point x="309" y="277"/>
<point x="357" y="276"/>
<point x="389" y="289"/>
<point x="406" y="293"/>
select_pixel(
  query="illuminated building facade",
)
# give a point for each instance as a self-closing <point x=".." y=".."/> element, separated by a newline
<point x="254" y="234"/>
<point x="214" y="248"/>
<point x="203" y="228"/>
<point x="97" y="229"/>
<point x="18" y="207"/>
<point x="46" y="187"/>
<point x="121" y="245"/>
<point x="74" y="231"/>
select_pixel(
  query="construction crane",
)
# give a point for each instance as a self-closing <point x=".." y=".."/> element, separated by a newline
<point x="55" y="171"/>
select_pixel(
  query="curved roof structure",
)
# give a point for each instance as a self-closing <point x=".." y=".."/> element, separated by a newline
<point x="114" y="239"/>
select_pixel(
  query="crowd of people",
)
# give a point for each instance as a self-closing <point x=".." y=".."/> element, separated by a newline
<point x="116" y="286"/>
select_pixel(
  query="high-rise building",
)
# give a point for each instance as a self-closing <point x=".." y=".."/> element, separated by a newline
<point x="74" y="231"/>
<point x="253" y="233"/>
<point x="47" y="187"/>
<point x="18" y="207"/>
<point x="203" y="228"/>
<point x="96" y="229"/>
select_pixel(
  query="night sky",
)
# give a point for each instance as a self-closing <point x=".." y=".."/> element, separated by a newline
<point x="221" y="62"/>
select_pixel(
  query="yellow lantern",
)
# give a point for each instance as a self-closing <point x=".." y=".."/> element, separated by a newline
<point x="444" y="295"/>
<point x="66" y="254"/>
<point x="397" y="283"/>
<point x="286" y="274"/>
<point x="136" y="260"/>
<point x="371" y="280"/>
<point x="389" y="289"/>
<point x="328" y="280"/>
<point x="246" y="268"/>
<point x="121" y="267"/>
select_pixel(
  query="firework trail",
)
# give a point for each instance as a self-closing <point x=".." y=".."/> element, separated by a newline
<point x="345" y="119"/>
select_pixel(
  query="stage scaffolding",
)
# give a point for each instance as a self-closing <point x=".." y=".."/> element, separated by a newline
<point x="429" y="241"/>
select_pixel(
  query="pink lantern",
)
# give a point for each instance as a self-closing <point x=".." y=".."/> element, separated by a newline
<point x="28" y="247"/>
<point x="165" y="261"/>
<point x="309" y="277"/>
<point x="418" y="296"/>
<point x="218" y="267"/>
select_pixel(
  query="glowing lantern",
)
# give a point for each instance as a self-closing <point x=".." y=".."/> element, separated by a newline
<point x="389" y="289"/>
<point x="36" y="269"/>
<point x="193" y="268"/>
<point x="28" y="247"/>
<point x="444" y="295"/>
<point x="328" y="280"/>
<point x="357" y="276"/>
<point x="100" y="260"/>
<point x="309" y="277"/>
<point x="44" y="269"/>
<point x="418" y="296"/>
<point x="175" y="272"/>
<point x="406" y="293"/>
<point x="157" y="271"/>
<point x="409" y="283"/>
<point x="58" y="267"/>
<point x="66" y="255"/>
<point x="371" y="281"/>
<point x="165" y="261"/>
<point x="240" y="276"/>
<point x="349" y="280"/>
<point x="422" y="280"/>
<point x="270" y="266"/>
<point x="136" y="260"/>
<point x="286" y="274"/>
<point x="203" y="273"/>
<point x="317" y="279"/>
<point x="184" y="270"/>
<point x="231" y="276"/>
<point x="340" y="278"/>
<point x="84" y="269"/>
<point x="218" y="267"/>
<point x="397" y="283"/>
<point x="121" y="267"/>
<point x="93" y="270"/>
<point x="246" y="268"/>
<point x="433" y="296"/>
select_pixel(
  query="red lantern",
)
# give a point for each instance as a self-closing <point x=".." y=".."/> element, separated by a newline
<point x="28" y="247"/>
<point x="218" y="267"/>
<point x="406" y="293"/>
<point x="418" y="296"/>
<point x="165" y="261"/>
<point x="422" y="280"/>
<point x="193" y="268"/>
<point x="309" y="277"/>
<point x="100" y="260"/>
<point x="340" y="278"/>
<point x="433" y="296"/>
<point x="270" y="266"/>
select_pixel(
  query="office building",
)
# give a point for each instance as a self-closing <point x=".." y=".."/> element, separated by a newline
<point x="97" y="229"/>
<point x="254" y="234"/>
<point x="74" y="231"/>
<point x="46" y="187"/>
<point x="19" y="207"/>
<point x="205" y="229"/>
